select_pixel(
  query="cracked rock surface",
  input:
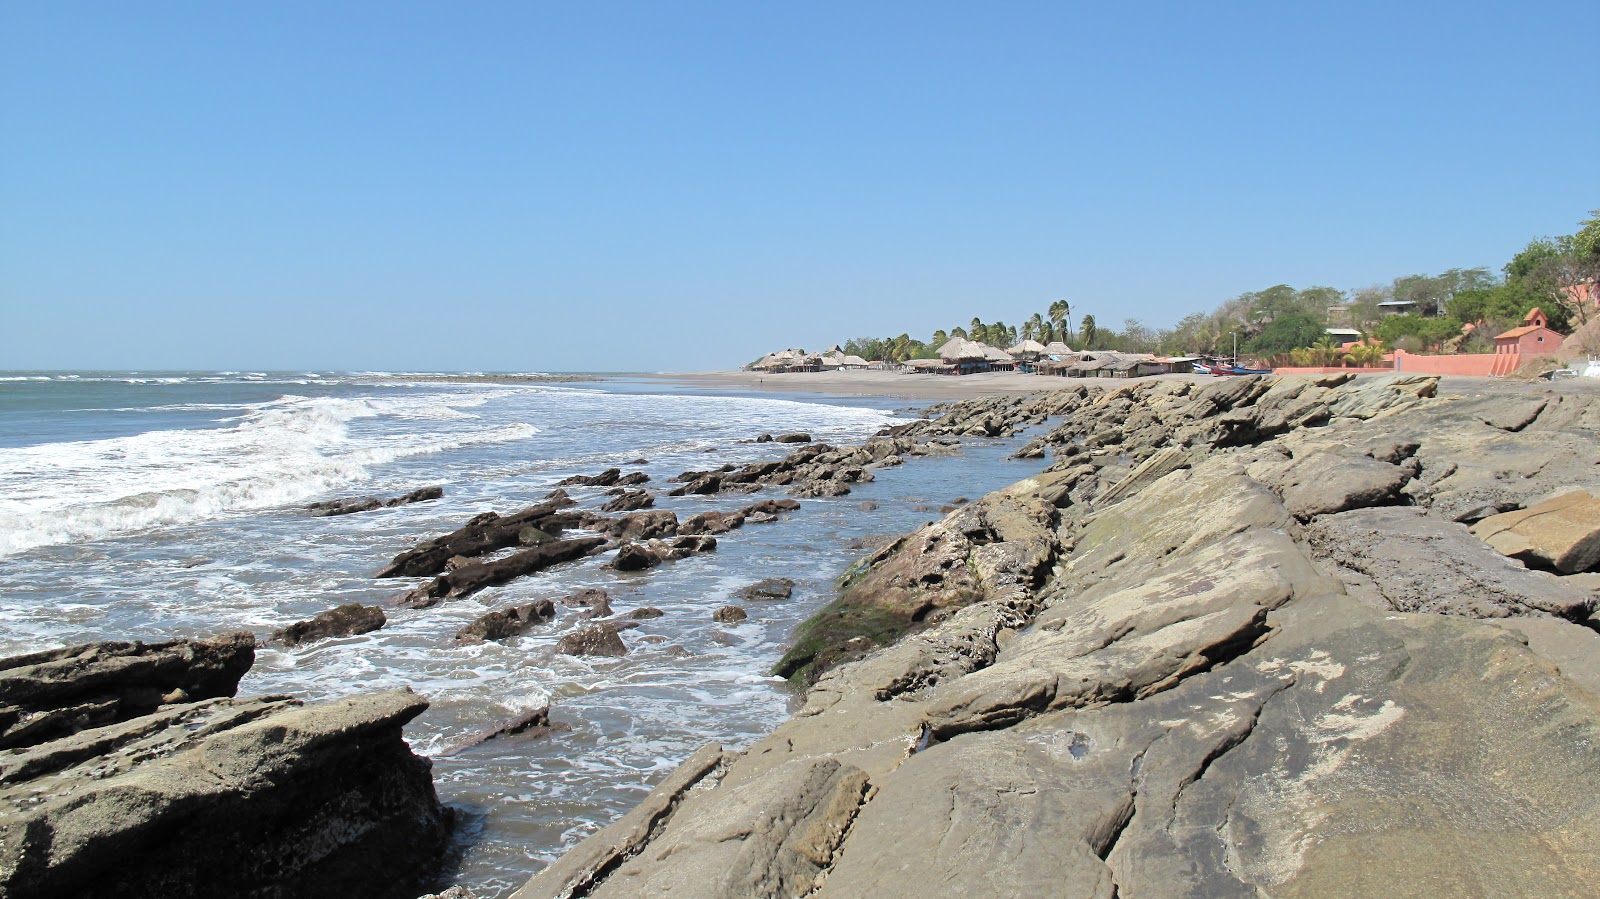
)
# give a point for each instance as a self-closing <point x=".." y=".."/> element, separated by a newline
<point x="1236" y="640"/>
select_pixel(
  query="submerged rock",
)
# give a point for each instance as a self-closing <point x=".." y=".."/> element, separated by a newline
<point x="527" y="726"/>
<point x="771" y="588"/>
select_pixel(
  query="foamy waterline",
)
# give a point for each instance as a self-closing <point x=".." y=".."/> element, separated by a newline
<point x="279" y="453"/>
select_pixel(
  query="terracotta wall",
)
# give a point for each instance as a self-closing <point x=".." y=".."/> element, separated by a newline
<point x="1463" y="364"/>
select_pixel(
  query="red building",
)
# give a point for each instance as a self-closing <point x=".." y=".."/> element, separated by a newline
<point x="1534" y="338"/>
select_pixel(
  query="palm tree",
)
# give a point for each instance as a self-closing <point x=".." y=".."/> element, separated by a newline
<point x="1090" y="332"/>
<point x="1060" y="314"/>
<point x="1032" y="327"/>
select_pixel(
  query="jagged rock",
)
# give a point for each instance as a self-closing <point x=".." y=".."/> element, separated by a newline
<point x="482" y="534"/>
<point x="792" y="438"/>
<point x="596" y="640"/>
<point x="643" y="526"/>
<point x="630" y="501"/>
<point x="224" y="797"/>
<point x="344" y="621"/>
<point x="729" y="615"/>
<point x="1561" y="534"/>
<point x="769" y="589"/>
<point x="820" y="488"/>
<point x="711" y="523"/>
<point x="645" y="613"/>
<point x="606" y="478"/>
<point x="507" y="622"/>
<point x="368" y="503"/>
<point x="469" y="579"/>
<point x="633" y="557"/>
<point x="691" y="545"/>
<point x="58" y="692"/>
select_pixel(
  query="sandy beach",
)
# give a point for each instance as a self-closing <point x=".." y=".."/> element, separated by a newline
<point x="879" y="383"/>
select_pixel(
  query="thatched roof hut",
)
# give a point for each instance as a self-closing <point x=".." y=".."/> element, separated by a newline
<point x="960" y="349"/>
<point x="1029" y="347"/>
<point x="1057" y="348"/>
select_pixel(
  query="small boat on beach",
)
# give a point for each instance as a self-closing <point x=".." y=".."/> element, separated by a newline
<point x="1239" y="370"/>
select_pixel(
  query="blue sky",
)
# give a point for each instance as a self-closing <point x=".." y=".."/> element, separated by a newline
<point x="684" y="186"/>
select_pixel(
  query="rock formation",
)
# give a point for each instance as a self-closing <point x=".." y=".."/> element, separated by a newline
<point x="127" y="771"/>
<point x="1234" y="641"/>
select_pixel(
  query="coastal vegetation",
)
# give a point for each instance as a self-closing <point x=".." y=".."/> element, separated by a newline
<point x="1414" y="312"/>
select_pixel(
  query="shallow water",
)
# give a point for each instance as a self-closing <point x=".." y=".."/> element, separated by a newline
<point x="153" y="506"/>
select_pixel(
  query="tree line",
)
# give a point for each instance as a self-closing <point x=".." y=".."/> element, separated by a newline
<point x="1281" y="319"/>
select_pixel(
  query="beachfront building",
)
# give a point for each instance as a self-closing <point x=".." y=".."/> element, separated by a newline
<point x="786" y="361"/>
<point x="1534" y="338"/>
<point x="966" y="356"/>
<point x="999" y="360"/>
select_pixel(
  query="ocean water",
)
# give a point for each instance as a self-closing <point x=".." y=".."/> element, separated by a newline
<point x="151" y="506"/>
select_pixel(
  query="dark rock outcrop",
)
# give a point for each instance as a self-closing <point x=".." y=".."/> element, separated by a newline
<point x="507" y="623"/>
<point x="344" y="621"/>
<point x="630" y="501"/>
<point x="729" y="615"/>
<point x="635" y="557"/>
<point x="484" y="533"/>
<point x="368" y="503"/>
<point x="469" y="579"/>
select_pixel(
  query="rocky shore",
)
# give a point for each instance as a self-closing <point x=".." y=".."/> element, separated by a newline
<point x="1261" y="636"/>
<point x="1256" y="636"/>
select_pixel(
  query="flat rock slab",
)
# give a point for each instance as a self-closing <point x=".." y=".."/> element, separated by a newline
<point x="1562" y="534"/>
<point x="1328" y="482"/>
<point x="1408" y="561"/>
